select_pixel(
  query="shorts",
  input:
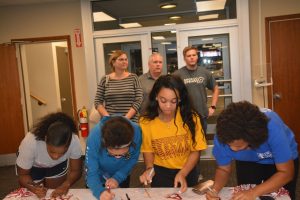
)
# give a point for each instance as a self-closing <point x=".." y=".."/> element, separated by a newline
<point x="262" y="172"/>
<point x="164" y="177"/>
<point x="38" y="174"/>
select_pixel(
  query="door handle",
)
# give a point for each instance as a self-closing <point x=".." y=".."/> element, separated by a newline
<point x="63" y="99"/>
<point x="276" y="96"/>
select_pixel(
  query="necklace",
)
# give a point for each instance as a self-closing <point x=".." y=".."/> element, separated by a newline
<point x="169" y="124"/>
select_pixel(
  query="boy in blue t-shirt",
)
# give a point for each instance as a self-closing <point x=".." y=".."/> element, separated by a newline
<point x="264" y="148"/>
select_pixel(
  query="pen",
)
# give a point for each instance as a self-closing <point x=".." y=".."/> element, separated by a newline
<point x="105" y="178"/>
<point x="146" y="191"/>
<point x="150" y="173"/>
<point x="31" y="184"/>
<point x="107" y="187"/>
<point x="35" y="185"/>
<point x="127" y="197"/>
<point x="213" y="191"/>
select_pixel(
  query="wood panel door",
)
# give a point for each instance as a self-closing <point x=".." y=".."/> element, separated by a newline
<point x="65" y="86"/>
<point x="283" y="42"/>
<point x="11" y="117"/>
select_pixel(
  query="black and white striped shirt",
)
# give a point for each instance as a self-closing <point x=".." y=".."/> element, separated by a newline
<point x="118" y="96"/>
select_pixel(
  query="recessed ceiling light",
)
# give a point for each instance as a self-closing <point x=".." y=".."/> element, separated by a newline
<point x="210" y="5"/>
<point x="175" y="17"/>
<point x="102" y="17"/>
<point x="212" y="16"/>
<point x="207" y="39"/>
<point x="166" y="42"/>
<point x="158" y="38"/>
<point x="131" y="25"/>
<point x="167" y="5"/>
<point x="170" y="24"/>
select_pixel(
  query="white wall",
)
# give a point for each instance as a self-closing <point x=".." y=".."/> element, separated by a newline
<point x="42" y="79"/>
<point x="44" y="20"/>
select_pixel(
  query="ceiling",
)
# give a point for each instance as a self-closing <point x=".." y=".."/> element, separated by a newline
<point x="145" y="12"/>
<point x="149" y="13"/>
<point x="26" y="2"/>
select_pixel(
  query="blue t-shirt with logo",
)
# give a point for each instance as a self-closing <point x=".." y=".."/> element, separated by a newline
<point x="280" y="146"/>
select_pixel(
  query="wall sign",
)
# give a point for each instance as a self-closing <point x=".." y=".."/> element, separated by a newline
<point x="78" y="40"/>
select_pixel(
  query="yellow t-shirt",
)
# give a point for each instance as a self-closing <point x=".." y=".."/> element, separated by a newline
<point x="171" y="145"/>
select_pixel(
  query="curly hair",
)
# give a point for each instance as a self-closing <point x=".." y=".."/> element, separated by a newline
<point x="242" y="120"/>
<point x="117" y="131"/>
<point x="174" y="83"/>
<point x="55" y="129"/>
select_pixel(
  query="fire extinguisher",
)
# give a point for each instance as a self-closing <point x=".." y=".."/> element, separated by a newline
<point x="83" y="121"/>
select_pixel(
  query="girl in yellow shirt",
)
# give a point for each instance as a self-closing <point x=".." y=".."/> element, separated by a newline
<point x="172" y="136"/>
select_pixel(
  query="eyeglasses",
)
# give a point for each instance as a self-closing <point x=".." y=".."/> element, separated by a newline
<point x="122" y="59"/>
<point x="126" y="155"/>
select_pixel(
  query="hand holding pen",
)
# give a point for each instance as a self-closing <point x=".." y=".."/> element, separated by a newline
<point x="150" y="174"/>
<point x="147" y="176"/>
<point x="110" y="183"/>
<point x="38" y="189"/>
<point x="212" y="193"/>
<point x="107" y="194"/>
<point x="107" y="186"/>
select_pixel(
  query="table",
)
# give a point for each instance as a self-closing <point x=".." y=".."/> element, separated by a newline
<point x="162" y="193"/>
<point x="136" y="194"/>
<point x="133" y="193"/>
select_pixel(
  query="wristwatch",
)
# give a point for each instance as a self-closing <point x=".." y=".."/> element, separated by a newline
<point x="213" y="107"/>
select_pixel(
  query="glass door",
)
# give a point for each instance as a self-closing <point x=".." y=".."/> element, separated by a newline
<point x="136" y="47"/>
<point x="213" y="53"/>
<point x="218" y="53"/>
<point x="165" y="43"/>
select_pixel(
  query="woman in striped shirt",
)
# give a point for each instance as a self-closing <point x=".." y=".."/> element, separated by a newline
<point x="120" y="92"/>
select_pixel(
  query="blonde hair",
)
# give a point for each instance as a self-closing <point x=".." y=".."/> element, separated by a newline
<point x="186" y="49"/>
<point x="114" y="56"/>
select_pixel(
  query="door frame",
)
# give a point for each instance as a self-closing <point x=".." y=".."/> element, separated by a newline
<point x="12" y="126"/>
<point x="20" y="41"/>
<point x="100" y="60"/>
<point x="242" y="22"/>
<point x="289" y="117"/>
<point x="235" y="68"/>
<point x="268" y="20"/>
